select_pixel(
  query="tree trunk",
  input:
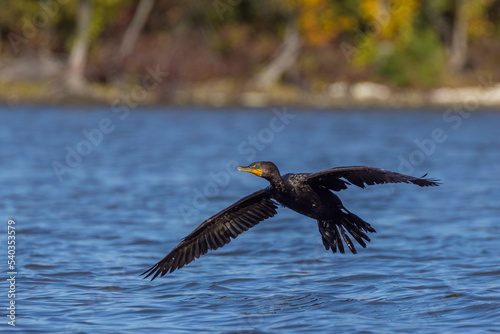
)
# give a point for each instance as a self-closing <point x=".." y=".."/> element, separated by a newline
<point x="78" y="54"/>
<point x="284" y="59"/>
<point x="136" y="25"/>
<point x="458" y="48"/>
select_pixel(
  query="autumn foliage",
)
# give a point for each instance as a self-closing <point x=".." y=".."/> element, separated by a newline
<point x="410" y="43"/>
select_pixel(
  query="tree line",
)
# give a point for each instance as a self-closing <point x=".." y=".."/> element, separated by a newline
<point x="415" y="43"/>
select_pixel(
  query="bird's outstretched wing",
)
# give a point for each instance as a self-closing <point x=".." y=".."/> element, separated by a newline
<point x="217" y="231"/>
<point x="339" y="178"/>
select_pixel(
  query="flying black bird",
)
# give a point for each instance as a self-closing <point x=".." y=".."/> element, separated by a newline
<point x="306" y="193"/>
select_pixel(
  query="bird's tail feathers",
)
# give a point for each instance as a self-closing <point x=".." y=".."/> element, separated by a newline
<point x="334" y="230"/>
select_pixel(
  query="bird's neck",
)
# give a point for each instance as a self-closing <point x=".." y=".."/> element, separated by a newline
<point x="276" y="181"/>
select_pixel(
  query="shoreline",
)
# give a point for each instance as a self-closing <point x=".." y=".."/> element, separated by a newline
<point x="221" y="94"/>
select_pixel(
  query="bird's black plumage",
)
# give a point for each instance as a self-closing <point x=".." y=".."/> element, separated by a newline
<point x="306" y="193"/>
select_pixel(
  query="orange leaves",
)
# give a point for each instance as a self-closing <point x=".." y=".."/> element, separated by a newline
<point x="319" y="21"/>
<point x="393" y="17"/>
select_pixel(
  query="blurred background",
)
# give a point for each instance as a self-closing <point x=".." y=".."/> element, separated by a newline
<point x="122" y="123"/>
<point x="311" y="52"/>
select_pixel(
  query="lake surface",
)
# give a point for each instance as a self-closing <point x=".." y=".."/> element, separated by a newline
<point x="94" y="208"/>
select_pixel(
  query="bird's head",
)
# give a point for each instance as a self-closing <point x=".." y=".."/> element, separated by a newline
<point x="264" y="169"/>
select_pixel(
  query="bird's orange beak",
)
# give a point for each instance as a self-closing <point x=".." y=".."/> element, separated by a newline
<point x="251" y="169"/>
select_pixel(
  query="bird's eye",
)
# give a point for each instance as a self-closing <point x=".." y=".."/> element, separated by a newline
<point x="256" y="166"/>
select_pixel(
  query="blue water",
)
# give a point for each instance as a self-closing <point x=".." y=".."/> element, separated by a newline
<point x="85" y="230"/>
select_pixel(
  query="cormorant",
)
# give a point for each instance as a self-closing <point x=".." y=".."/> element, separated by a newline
<point x="306" y="193"/>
